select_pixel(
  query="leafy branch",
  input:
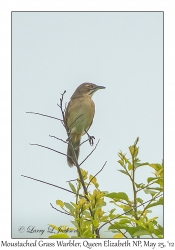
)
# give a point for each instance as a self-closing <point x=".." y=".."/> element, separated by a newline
<point x="88" y="209"/>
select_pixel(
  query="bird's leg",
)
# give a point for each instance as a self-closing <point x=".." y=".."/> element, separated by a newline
<point x="91" y="138"/>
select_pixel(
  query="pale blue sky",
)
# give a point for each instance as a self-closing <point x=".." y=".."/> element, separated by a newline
<point x="57" y="51"/>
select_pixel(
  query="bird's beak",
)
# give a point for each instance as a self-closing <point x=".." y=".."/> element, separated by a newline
<point x="100" y="87"/>
<point x="95" y="88"/>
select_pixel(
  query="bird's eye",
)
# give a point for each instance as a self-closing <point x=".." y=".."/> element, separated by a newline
<point x="91" y="86"/>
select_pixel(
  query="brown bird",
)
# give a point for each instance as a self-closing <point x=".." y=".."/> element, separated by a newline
<point x="79" y="116"/>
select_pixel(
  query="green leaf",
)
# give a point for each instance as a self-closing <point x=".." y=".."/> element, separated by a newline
<point x="93" y="180"/>
<point x="151" y="179"/>
<point x="130" y="167"/>
<point x="118" y="236"/>
<point x="159" y="172"/>
<point x="136" y="160"/>
<point x="105" y="218"/>
<point x="56" y="236"/>
<point x="140" y="185"/>
<point x="124" y="172"/>
<point x="158" y="231"/>
<point x="95" y="223"/>
<point x="131" y="230"/>
<point x="157" y="203"/>
<point x="131" y="149"/>
<point x="112" y="210"/>
<point x="160" y="182"/>
<point x="69" y="206"/>
<point x="141" y="232"/>
<point x="101" y="204"/>
<point x="74" y="223"/>
<point x="138" y="222"/>
<point x="121" y="162"/>
<point x="60" y="203"/>
<point x="156" y="166"/>
<point x="139" y="200"/>
<point x="86" y="213"/>
<point x="160" y="236"/>
<point x="149" y="191"/>
<point x="117" y="225"/>
<point x="136" y="151"/>
<point x="160" y="228"/>
<point x="74" y="205"/>
<point x="156" y="188"/>
<point x="127" y="209"/>
<point x="124" y="221"/>
<point x="137" y="165"/>
<point x="72" y="187"/>
<point x="151" y="227"/>
<point x="118" y="196"/>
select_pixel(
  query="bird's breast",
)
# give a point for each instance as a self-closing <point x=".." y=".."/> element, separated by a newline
<point x="79" y="114"/>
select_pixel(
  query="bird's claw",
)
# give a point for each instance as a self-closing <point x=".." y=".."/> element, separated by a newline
<point x="91" y="140"/>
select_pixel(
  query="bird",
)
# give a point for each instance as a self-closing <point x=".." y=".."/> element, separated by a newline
<point x="78" y="117"/>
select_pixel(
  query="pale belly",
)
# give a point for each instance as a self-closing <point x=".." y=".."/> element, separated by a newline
<point x="81" y="116"/>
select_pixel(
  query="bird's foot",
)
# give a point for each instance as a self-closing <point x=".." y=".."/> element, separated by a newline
<point x="91" y="138"/>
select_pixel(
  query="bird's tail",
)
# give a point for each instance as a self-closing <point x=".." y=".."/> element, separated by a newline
<point x="73" y="149"/>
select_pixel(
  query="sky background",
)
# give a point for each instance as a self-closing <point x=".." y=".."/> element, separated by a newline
<point x="57" y="51"/>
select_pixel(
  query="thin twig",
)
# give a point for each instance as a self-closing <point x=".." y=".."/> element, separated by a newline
<point x="53" y="185"/>
<point x="65" y="107"/>
<point x="89" y="154"/>
<point x="83" y="183"/>
<point x="122" y="233"/>
<point x="52" y="150"/>
<point x="96" y="174"/>
<point x="49" y="149"/>
<point x="59" y="210"/>
<point x="133" y="182"/>
<point x="61" y="104"/>
<point x="73" y="180"/>
<point x="58" y="139"/>
<point x="45" y="115"/>
<point x="74" y="158"/>
<point x="124" y="203"/>
<point x="149" y="184"/>
<point x="83" y="142"/>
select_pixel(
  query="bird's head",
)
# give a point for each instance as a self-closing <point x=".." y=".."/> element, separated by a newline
<point x="86" y="89"/>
